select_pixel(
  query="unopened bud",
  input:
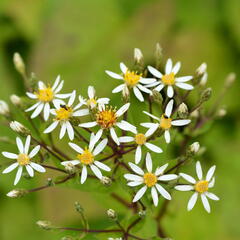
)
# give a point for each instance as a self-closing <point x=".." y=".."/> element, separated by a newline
<point x="182" y="110"/>
<point x="157" y="97"/>
<point x="158" y="52"/>
<point x="138" y="56"/>
<point x="230" y="79"/>
<point x="19" y="63"/>
<point x="194" y="148"/>
<point x="206" y="94"/>
<point x="111" y="214"/>
<point x="4" y="109"/>
<point x="16" y="100"/>
<point x="194" y="114"/>
<point x="16" y="193"/>
<point x="142" y="213"/>
<point x="201" y="69"/>
<point x="50" y="182"/>
<point x="19" y="128"/>
<point x="204" y="79"/>
<point x="46" y="225"/>
<point x="70" y="168"/>
<point x="78" y="207"/>
<point x="106" y="181"/>
<point x="125" y="94"/>
<point x="221" y="112"/>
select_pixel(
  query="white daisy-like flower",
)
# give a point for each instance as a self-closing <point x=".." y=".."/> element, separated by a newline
<point x="169" y="79"/>
<point x="63" y="114"/>
<point x="92" y="100"/>
<point x="23" y="159"/>
<point x="45" y="95"/>
<point x="140" y="139"/>
<point x="131" y="80"/>
<point x="165" y="122"/>
<point x="86" y="157"/>
<point x="107" y="119"/>
<point x="200" y="187"/>
<point x="149" y="180"/>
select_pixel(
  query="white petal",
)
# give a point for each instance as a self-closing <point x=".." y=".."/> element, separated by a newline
<point x="72" y="98"/>
<point x="33" y="107"/>
<point x="168" y="67"/>
<point x="126" y="139"/>
<point x="152" y="116"/>
<point x="188" y="178"/>
<point x="46" y="111"/>
<point x="66" y="95"/>
<point x="149" y="162"/>
<point x="99" y="148"/>
<point x="34" y="151"/>
<point x="76" y="147"/>
<point x="138" y="94"/>
<point x="51" y="127"/>
<point x="18" y="175"/>
<point x="163" y="192"/>
<point x="84" y="174"/>
<point x="56" y="82"/>
<point x="41" y="85"/>
<point x="73" y="162"/>
<point x="140" y="193"/>
<point x="185" y="86"/>
<point x="199" y="170"/>
<point x="119" y="88"/>
<point x="70" y="131"/>
<point x="212" y="182"/>
<point x="134" y="184"/>
<point x="210" y="173"/>
<point x="81" y="112"/>
<point x="133" y="177"/>
<point x="96" y="171"/>
<point x="10" y="155"/>
<point x="122" y="109"/>
<point x="205" y="203"/>
<point x="20" y="145"/>
<point x="151" y="130"/>
<point x="136" y="169"/>
<point x="153" y="84"/>
<point x="168" y="177"/>
<point x="170" y="91"/>
<point x="123" y="67"/>
<point x="192" y="201"/>
<point x="57" y="104"/>
<point x="91" y="92"/>
<point x="63" y="130"/>
<point x="27" y="144"/>
<point x="169" y="107"/>
<point x="181" y="122"/>
<point x="31" y="95"/>
<point x="138" y="154"/>
<point x="212" y="196"/>
<point x="159" y="88"/>
<point x="114" y="136"/>
<point x="144" y="89"/>
<point x="114" y="75"/>
<point x="102" y="166"/>
<point x="184" y="79"/>
<point x="10" y="168"/>
<point x="88" y="124"/>
<point x="154" y="196"/>
<point x="37" y="110"/>
<point x="37" y="167"/>
<point x="30" y="171"/>
<point x="153" y="147"/>
<point x="154" y="72"/>
<point x="176" y="68"/>
<point x="167" y="136"/>
<point x="147" y="80"/>
<point x="184" y="187"/>
<point x="59" y="88"/>
<point x="161" y="169"/>
<point x="98" y="135"/>
<point x="124" y="125"/>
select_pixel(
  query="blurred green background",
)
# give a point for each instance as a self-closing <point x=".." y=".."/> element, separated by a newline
<point x="79" y="40"/>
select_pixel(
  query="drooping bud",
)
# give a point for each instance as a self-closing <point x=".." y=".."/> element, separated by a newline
<point x="16" y="100"/>
<point x="221" y="112"/>
<point x="4" y="109"/>
<point x="201" y="70"/>
<point x="16" y="193"/>
<point x="182" y="110"/>
<point x="156" y="97"/>
<point x="230" y="79"/>
<point x="19" y="128"/>
<point x="206" y="94"/>
<point x="70" y="168"/>
<point x="203" y="79"/>
<point x="46" y="225"/>
<point x="106" y="181"/>
<point x="125" y="94"/>
<point x="194" y="148"/>
<point x="138" y="56"/>
<point x="19" y="63"/>
<point x="112" y="214"/>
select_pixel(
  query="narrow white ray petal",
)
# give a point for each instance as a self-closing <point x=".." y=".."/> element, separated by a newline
<point x="161" y="169"/>
<point x="176" y="68"/>
<point x="119" y="88"/>
<point x="10" y="155"/>
<point x="73" y="162"/>
<point x="149" y="162"/>
<point x="51" y="127"/>
<point x="63" y="130"/>
<point x="18" y="175"/>
<point x="153" y="84"/>
<point x="205" y="203"/>
<point x="140" y="193"/>
<point x="211" y="183"/>
<point x="181" y="122"/>
<point x="59" y="88"/>
<point x="20" y="145"/>
<point x="148" y="125"/>
<point x="138" y="94"/>
<point x="31" y="95"/>
<point x="159" y="87"/>
<point x="96" y="171"/>
<point x="113" y="75"/>
<point x="188" y="178"/>
<point x="34" y="151"/>
<point x="91" y="92"/>
<point x="70" y="130"/>
<point x="153" y="147"/>
<point x="63" y="96"/>
<point x="147" y="80"/>
<point x="199" y="170"/>
<point x="56" y="82"/>
<point x="154" y="196"/>
<point x="192" y="201"/>
<point x="75" y="147"/>
<point x="37" y="167"/>
<point x="46" y="111"/>
<point x="185" y="86"/>
<point x="99" y="148"/>
<point x="72" y="98"/>
<point x="151" y="130"/>
<point x="30" y="170"/>
<point x="122" y="109"/>
<point x="102" y="166"/>
<point x="124" y="125"/>
<point x="33" y="107"/>
<point x="84" y="174"/>
<point x="123" y="67"/>
<point x="88" y="124"/>
<point x="10" y="168"/>
<point x="154" y="72"/>
<point x="168" y="67"/>
<point x="167" y="136"/>
<point x="210" y="173"/>
<point x="170" y="91"/>
<point x="168" y="177"/>
<point x="138" y="154"/>
<point x="57" y="103"/>
<point x="41" y="85"/>
<point x="136" y="169"/>
<point x="169" y="107"/>
<point x="183" y="79"/>
<point x="152" y="116"/>
<point x="184" y="187"/>
<point x="212" y="196"/>
<point x="103" y="101"/>
<point x="98" y="135"/>
<point x="144" y="89"/>
<point x="27" y="144"/>
<point x="81" y="112"/>
<point x="114" y="136"/>
<point x="134" y="184"/>
<point x="163" y="192"/>
<point x="126" y="139"/>
<point x="37" y="111"/>
<point x="133" y="177"/>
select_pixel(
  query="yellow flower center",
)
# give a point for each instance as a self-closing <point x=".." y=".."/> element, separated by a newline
<point x="168" y="79"/>
<point x="23" y="159"/>
<point x="165" y="122"/>
<point x="106" y="118"/>
<point x="140" y="139"/>
<point x="64" y="113"/>
<point x="45" y="95"/>
<point x="150" y="179"/>
<point x="91" y="102"/>
<point x="131" y="78"/>
<point x="86" y="157"/>
<point x="201" y="186"/>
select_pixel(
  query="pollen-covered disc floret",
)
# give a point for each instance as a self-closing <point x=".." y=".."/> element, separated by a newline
<point x="106" y="117"/>
<point x="200" y="187"/>
<point x="86" y="158"/>
<point x="165" y="122"/>
<point x="150" y="180"/>
<point x="23" y="159"/>
<point x="132" y="80"/>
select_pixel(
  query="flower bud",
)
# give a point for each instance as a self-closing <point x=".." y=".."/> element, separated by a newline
<point x="194" y="114"/>
<point x="201" y="69"/>
<point x="230" y="79"/>
<point x="156" y="97"/>
<point x="70" y="168"/>
<point x="19" y="63"/>
<point x="221" y="112"/>
<point x="142" y="213"/>
<point x="46" y="225"/>
<point x="206" y="94"/>
<point x="78" y="207"/>
<point x="106" y="181"/>
<point x="194" y="148"/>
<point x="182" y="110"/>
<point x="4" y="109"/>
<point x="16" y="193"/>
<point x="16" y="100"/>
<point x="125" y="94"/>
<point x="158" y="52"/>
<point x="203" y="79"/>
<point x="138" y="56"/>
<point x="19" y="128"/>
<point x="111" y="214"/>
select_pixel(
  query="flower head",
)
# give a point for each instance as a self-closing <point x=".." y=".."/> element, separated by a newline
<point x="151" y="180"/>
<point x="200" y="187"/>
<point x="4" y="109"/>
<point x="23" y="159"/>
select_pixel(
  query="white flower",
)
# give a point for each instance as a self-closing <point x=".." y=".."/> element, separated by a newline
<point x="131" y="80"/>
<point x="165" y="122"/>
<point x="149" y="180"/>
<point x="168" y="79"/>
<point x="86" y="157"/>
<point x="200" y="187"/>
<point x="23" y="159"/>
<point x="107" y="119"/>
<point x="63" y="115"/>
<point x="140" y="139"/>
<point x="46" y="95"/>
<point x="92" y="100"/>
<point x="18" y="127"/>
<point x="4" y="109"/>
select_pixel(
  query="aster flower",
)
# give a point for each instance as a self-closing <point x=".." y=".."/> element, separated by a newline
<point x="169" y="79"/>
<point x="45" y="95"/>
<point x="92" y="100"/>
<point x="140" y="139"/>
<point x="23" y="159"/>
<point x="131" y="80"/>
<point x="107" y="118"/>
<point x="86" y="157"/>
<point x="165" y="122"/>
<point x="200" y="187"/>
<point x="150" y="180"/>
<point x="63" y="114"/>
